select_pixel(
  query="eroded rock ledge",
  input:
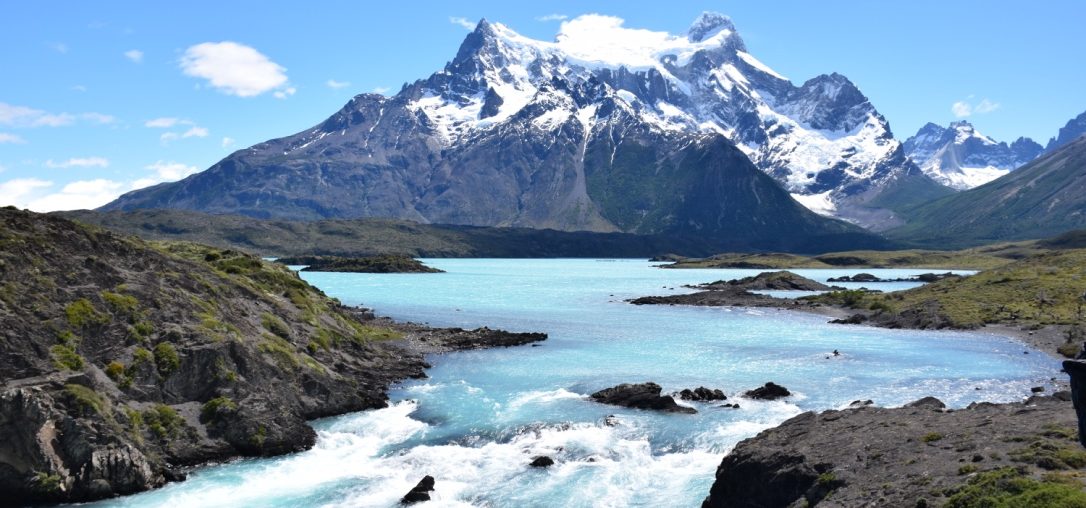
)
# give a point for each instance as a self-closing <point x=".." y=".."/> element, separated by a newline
<point x="918" y="455"/>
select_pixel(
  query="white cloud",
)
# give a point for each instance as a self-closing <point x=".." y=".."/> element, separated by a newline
<point x="961" y="109"/>
<point x="35" y="194"/>
<point x="19" y="190"/>
<point x="985" y="106"/>
<point x="464" y="22"/>
<point x="165" y="122"/>
<point x="166" y="137"/>
<point x="552" y="17"/>
<point x="134" y="55"/>
<point x="79" y="88"/>
<point x="195" y="132"/>
<point x="79" y="195"/>
<point x="226" y="142"/>
<point x="336" y="84"/>
<point x="11" y="139"/>
<point x="97" y="118"/>
<point x="284" y="93"/>
<point x="235" y="69"/>
<point x="964" y="108"/>
<point x="381" y="89"/>
<point x="59" y="47"/>
<point x="171" y="170"/>
<point x="79" y="162"/>
<point x="22" y="116"/>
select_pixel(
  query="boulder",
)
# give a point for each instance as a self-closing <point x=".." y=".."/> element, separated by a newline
<point x="769" y="391"/>
<point x="702" y="394"/>
<point x="542" y="461"/>
<point x="421" y="492"/>
<point x="927" y="403"/>
<point x="640" y="396"/>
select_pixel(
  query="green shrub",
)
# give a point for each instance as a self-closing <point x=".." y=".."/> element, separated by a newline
<point x="275" y="325"/>
<point x="1010" y="488"/>
<point x="82" y="314"/>
<point x="931" y="437"/>
<point x="166" y="359"/>
<point x="86" y="400"/>
<point x="163" y="421"/>
<point x="65" y="358"/>
<point x="216" y="409"/>
<point x="124" y="305"/>
<point x="46" y="483"/>
<point x="115" y="370"/>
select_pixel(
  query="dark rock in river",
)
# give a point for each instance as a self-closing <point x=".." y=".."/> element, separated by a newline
<point x="542" y="461"/>
<point x="421" y="492"/>
<point x="702" y="393"/>
<point x="640" y="396"/>
<point x="769" y="391"/>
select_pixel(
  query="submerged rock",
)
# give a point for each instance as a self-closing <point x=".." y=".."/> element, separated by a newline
<point x="769" y="391"/>
<point x="421" y="492"/>
<point x="640" y="396"/>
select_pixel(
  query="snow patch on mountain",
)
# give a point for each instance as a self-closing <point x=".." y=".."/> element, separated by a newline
<point x="960" y="157"/>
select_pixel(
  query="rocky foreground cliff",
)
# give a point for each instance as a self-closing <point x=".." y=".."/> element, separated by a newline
<point x="987" y="455"/>
<point x="123" y="361"/>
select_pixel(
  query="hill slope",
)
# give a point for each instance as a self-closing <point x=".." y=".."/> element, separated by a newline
<point x="122" y="361"/>
<point x="1043" y="198"/>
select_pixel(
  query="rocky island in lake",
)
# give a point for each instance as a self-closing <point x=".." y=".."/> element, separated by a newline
<point x="385" y="263"/>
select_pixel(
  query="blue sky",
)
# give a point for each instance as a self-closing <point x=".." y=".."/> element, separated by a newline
<point x="101" y="97"/>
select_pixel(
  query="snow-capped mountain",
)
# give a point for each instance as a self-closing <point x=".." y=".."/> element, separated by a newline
<point x="595" y="130"/>
<point x="960" y="157"/>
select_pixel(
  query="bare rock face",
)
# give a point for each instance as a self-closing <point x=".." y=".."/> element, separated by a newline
<point x="640" y="396"/>
<point x="908" y="456"/>
<point x="420" y="492"/>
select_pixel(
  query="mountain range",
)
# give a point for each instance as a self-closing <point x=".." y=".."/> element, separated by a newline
<point x="648" y="133"/>
<point x="960" y="157"/>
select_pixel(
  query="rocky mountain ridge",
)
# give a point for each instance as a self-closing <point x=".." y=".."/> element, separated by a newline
<point x="648" y="133"/>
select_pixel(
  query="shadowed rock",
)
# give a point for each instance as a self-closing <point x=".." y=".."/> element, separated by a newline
<point x="769" y="391"/>
<point x="640" y="396"/>
<point x="542" y="461"/>
<point x="421" y="492"/>
<point x="702" y="393"/>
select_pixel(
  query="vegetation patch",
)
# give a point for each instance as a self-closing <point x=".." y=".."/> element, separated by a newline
<point x="163" y="421"/>
<point x="85" y="400"/>
<point x="65" y="358"/>
<point x="1011" y="488"/>
<point x="81" y="314"/>
<point x="166" y="359"/>
<point x="275" y="325"/>
<point x="122" y="305"/>
<point x="217" y="409"/>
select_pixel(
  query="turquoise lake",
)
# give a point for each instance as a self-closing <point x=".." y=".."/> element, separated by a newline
<point x="482" y="416"/>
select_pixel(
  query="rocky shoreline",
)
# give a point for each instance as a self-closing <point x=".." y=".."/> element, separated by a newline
<point x="918" y="455"/>
<point x="124" y="363"/>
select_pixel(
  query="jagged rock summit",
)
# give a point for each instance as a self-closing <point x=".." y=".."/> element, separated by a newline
<point x="606" y="128"/>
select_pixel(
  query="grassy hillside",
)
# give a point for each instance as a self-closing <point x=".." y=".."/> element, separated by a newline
<point x="1043" y="198"/>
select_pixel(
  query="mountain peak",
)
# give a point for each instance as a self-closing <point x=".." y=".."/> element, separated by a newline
<point x="709" y="24"/>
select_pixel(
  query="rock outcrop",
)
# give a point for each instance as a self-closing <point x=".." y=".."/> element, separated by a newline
<point x="768" y="391"/>
<point x="123" y="361"/>
<point x="640" y="396"/>
<point x="916" y="455"/>
<point x="420" y="492"/>
<point x="702" y="394"/>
